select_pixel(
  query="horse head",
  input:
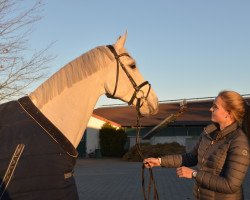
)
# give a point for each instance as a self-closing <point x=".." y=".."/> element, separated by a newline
<point x="69" y="96"/>
<point x="126" y="83"/>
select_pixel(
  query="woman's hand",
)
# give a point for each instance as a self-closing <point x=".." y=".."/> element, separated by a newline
<point x="151" y="162"/>
<point x="184" y="172"/>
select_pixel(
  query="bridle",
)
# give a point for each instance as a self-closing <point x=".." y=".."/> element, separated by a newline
<point x="135" y="95"/>
<point x="138" y="98"/>
<point x="136" y="87"/>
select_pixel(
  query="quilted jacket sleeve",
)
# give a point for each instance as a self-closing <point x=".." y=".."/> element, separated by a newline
<point x="234" y="170"/>
<point x="187" y="159"/>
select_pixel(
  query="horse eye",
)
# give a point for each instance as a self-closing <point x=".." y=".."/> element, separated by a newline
<point x="132" y="66"/>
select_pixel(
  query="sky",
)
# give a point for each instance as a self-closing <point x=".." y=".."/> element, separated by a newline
<point x="185" y="49"/>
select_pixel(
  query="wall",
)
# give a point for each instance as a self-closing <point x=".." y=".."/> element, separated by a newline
<point x="160" y="140"/>
<point x="184" y="135"/>
<point x="92" y="140"/>
<point x="188" y="141"/>
<point x="92" y="137"/>
<point x="132" y="141"/>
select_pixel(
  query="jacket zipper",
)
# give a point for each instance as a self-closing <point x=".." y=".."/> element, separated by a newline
<point x="202" y="162"/>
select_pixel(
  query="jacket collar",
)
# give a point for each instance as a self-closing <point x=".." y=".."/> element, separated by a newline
<point x="227" y="130"/>
<point x="213" y="129"/>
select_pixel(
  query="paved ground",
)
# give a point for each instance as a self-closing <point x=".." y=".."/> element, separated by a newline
<point x="113" y="179"/>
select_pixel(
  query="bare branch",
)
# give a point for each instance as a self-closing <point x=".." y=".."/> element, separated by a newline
<point x="17" y="70"/>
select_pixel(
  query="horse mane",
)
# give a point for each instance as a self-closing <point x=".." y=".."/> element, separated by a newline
<point x="73" y="72"/>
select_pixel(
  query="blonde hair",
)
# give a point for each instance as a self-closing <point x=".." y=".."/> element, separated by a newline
<point x="234" y="103"/>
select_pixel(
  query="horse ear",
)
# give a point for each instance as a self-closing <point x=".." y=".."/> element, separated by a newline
<point x="121" y="41"/>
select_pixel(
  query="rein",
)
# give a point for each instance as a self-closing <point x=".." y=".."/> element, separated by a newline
<point x="167" y="121"/>
<point x="146" y="195"/>
<point x="138" y="98"/>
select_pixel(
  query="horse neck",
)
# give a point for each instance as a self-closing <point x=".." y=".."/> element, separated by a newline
<point x="71" y="109"/>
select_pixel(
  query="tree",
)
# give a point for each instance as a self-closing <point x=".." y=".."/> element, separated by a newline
<point x="19" y="65"/>
<point x="112" y="140"/>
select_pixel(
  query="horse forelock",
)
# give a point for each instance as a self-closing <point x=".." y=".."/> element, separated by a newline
<point x="73" y="72"/>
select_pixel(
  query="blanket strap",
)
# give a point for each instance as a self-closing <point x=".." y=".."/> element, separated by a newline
<point x="11" y="168"/>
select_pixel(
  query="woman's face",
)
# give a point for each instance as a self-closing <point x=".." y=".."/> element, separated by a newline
<point x="219" y="114"/>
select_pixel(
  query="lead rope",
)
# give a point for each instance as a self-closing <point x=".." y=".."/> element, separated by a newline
<point x="138" y="147"/>
<point x="167" y="121"/>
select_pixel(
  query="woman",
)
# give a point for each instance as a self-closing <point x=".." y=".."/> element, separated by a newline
<point x="221" y="154"/>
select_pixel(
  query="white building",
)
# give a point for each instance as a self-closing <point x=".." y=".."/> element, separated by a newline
<point x="90" y="141"/>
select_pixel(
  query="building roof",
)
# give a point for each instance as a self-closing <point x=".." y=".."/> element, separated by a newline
<point x="197" y="113"/>
<point x="106" y="120"/>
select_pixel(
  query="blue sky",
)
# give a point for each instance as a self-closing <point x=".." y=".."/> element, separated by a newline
<point x="185" y="49"/>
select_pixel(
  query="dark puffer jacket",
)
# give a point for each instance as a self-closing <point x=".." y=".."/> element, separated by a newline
<point x="222" y="159"/>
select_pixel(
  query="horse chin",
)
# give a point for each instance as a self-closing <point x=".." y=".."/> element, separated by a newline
<point x="149" y="108"/>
